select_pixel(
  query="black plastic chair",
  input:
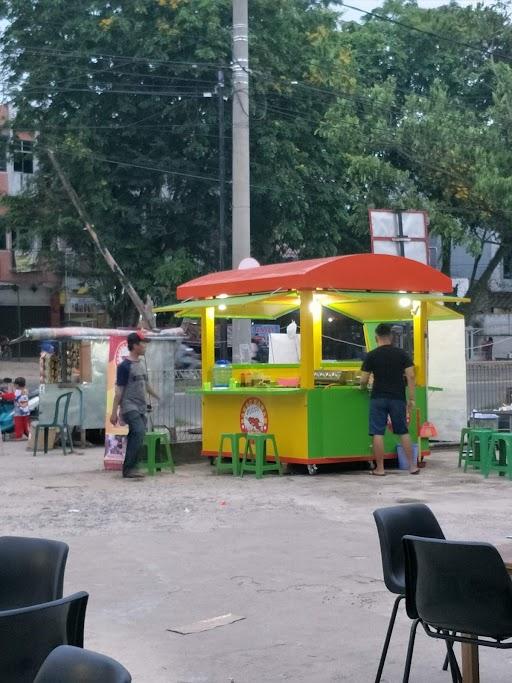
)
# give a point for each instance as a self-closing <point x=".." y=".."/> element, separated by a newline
<point x="455" y="588"/>
<point x="29" y="634"/>
<point x="68" y="664"/>
<point x="60" y="422"/>
<point x="31" y="571"/>
<point x="393" y="523"/>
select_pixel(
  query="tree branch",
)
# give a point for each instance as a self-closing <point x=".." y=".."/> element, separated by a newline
<point x="479" y="286"/>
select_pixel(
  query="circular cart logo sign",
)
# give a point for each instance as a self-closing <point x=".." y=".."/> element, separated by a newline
<point x="122" y="352"/>
<point x="253" y="416"/>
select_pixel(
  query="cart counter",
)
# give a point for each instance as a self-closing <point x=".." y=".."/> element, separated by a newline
<point x="311" y="426"/>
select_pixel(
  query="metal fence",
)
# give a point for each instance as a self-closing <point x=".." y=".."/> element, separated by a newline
<point x="187" y="406"/>
<point x="183" y="415"/>
<point x="489" y="385"/>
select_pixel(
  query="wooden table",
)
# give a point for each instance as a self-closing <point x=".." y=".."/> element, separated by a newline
<point x="470" y="662"/>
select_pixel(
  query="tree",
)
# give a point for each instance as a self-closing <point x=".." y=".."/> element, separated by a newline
<point x="433" y="78"/>
<point x="407" y="109"/>
<point x="118" y="94"/>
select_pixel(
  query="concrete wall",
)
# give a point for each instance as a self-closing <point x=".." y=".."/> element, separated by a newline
<point x="447" y="370"/>
<point x="40" y="297"/>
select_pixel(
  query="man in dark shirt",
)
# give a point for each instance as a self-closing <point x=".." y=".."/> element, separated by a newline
<point x="130" y="401"/>
<point x="391" y="368"/>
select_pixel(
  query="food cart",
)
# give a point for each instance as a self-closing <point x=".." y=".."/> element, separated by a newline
<point x="314" y="407"/>
<point x="77" y="359"/>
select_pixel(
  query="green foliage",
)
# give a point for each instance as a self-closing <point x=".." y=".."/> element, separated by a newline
<point x="116" y="91"/>
<point x="435" y="105"/>
<point x="344" y="116"/>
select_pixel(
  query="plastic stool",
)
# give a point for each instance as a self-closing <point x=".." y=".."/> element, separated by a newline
<point x="464" y="444"/>
<point x="501" y="441"/>
<point x="479" y="441"/>
<point x="233" y="466"/>
<point x="259" y="463"/>
<point x="153" y="441"/>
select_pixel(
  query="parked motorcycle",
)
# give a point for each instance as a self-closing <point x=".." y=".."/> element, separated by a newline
<point x="186" y="358"/>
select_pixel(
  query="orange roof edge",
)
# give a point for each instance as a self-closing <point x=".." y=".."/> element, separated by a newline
<point x="357" y="272"/>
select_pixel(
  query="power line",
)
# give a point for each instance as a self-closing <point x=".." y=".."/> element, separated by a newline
<point x="90" y="80"/>
<point x="101" y="55"/>
<point x="97" y="90"/>
<point x="293" y="113"/>
<point x="400" y="149"/>
<point x="355" y="98"/>
<point x="490" y="52"/>
<point x="190" y="130"/>
<point x="153" y="168"/>
<point x="304" y="181"/>
<point x="465" y="139"/>
<point x="287" y="112"/>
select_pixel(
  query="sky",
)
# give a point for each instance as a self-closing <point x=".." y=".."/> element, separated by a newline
<point x="369" y="5"/>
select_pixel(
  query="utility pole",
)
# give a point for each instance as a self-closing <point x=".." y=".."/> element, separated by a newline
<point x="241" y="174"/>
<point x="222" y="172"/>
<point x="145" y="314"/>
<point x="223" y="328"/>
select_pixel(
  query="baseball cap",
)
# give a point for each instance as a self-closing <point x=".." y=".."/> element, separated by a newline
<point x="136" y="337"/>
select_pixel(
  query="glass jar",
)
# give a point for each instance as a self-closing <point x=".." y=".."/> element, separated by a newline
<point x="221" y="373"/>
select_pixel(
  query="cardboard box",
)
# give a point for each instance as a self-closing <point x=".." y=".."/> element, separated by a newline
<point x="52" y="435"/>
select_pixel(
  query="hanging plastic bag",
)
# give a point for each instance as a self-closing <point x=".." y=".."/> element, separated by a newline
<point x="428" y="430"/>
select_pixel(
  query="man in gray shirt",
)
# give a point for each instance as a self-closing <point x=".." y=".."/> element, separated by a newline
<point x="130" y="401"/>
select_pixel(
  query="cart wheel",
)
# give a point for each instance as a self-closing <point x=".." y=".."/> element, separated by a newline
<point x="211" y="458"/>
<point x="371" y="464"/>
<point x="312" y="469"/>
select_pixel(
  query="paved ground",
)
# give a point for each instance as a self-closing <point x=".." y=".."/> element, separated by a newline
<point x="297" y="556"/>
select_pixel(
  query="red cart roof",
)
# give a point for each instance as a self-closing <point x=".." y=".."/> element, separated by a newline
<point x="361" y="272"/>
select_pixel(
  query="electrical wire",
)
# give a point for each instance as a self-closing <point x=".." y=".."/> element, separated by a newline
<point x="153" y="93"/>
<point x="394" y="143"/>
<point x="186" y="129"/>
<point x="105" y="85"/>
<point x="281" y="111"/>
<point x="153" y="168"/>
<point x="466" y="140"/>
<point x="294" y="114"/>
<point x="343" y="341"/>
<point x="374" y="103"/>
<point x="489" y="52"/>
<point x="102" y="55"/>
